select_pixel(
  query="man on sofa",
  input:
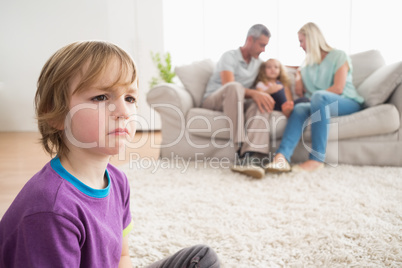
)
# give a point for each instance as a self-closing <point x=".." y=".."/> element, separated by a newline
<point x="228" y="90"/>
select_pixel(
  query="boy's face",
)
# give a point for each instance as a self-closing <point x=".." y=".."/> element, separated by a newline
<point x="101" y="119"/>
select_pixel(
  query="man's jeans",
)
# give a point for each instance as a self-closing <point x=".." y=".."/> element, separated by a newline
<point x="323" y="106"/>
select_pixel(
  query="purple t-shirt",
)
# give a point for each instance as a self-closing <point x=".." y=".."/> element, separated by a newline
<point x="57" y="221"/>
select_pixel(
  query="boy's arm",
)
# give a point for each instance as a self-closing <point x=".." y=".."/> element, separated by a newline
<point x="125" y="260"/>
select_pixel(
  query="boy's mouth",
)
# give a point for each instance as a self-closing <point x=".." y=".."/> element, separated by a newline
<point x="119" y="131"/>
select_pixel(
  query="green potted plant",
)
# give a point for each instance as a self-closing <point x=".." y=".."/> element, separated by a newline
<point x="164" y="65"/>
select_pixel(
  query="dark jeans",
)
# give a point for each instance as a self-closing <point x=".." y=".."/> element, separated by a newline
<point x="199" y="256"/>
<point x="280" y="98"/>
<point x="300" y="100"/>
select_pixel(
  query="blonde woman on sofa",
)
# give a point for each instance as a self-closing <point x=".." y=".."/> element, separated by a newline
<point x="325" y="78"/>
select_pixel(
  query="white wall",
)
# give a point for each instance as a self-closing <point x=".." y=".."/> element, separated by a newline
<point x="148" y="37"/>
<point x="31" y="31"/>
<point x="376" y="24"/>
<point x="207" y="28"/>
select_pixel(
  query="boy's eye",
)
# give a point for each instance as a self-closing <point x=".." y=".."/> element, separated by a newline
<point x="131" y="99"/>
<point x="100" y="98"/>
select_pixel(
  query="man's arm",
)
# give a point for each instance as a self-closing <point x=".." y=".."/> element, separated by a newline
<point x="264" y="101"/>
<point x="227" y="77"/>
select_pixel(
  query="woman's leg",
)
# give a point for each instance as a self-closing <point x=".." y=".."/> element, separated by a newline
<point x="294" y="129"/>
<point x="325" y="105"/>
<point x="197" y="256"/>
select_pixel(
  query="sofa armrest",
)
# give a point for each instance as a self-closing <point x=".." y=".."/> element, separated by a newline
<point x="165" y="95"/>
<point x="395" y="99"/>
<point x="172" y="102"/>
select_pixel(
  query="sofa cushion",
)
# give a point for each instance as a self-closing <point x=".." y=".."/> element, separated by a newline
<point x="208" y="123"/>
<point x="195" y="77"/>
<point x="377" y="88"/>
<point x="378" y="120"/>
<point x="364" y="64"/>
<point x="215" y="125"/>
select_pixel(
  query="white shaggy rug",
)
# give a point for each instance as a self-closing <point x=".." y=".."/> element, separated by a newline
<point x="345" y="216"/>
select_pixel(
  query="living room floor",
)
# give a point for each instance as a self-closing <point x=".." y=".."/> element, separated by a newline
<point x="21" y="156"/>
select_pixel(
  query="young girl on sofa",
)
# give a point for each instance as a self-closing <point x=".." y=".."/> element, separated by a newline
<point x="273" y="79"/>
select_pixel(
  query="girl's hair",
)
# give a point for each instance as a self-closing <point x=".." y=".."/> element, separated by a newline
<point x="315" y="43"/>
<point x="283" y="75"/>
<point x="53" y="94"/>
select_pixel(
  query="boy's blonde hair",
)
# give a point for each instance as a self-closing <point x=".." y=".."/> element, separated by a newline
<point x="53" y="94"/>
<point x="283" y="75"/>
<point x="315" y="43"/>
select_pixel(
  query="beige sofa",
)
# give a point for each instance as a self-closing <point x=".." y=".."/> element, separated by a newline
<point x="372" y="136"/>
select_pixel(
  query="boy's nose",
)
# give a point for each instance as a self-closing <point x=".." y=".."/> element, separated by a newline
<point x="120" y="111"/>
<point x="125" y="117"/>
<point x="122" y="114"/>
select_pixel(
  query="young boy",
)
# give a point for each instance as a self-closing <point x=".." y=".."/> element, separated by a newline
<point x="75" y="212"/>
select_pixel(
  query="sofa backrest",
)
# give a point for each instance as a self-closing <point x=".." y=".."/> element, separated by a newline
<point x="364" y="64"/>
<point x="195" y="77"/>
